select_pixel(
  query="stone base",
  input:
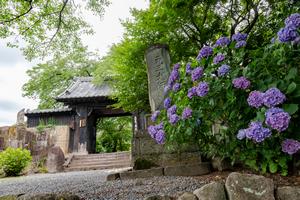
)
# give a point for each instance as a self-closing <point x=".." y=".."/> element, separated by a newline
<point x="188" y="170"/>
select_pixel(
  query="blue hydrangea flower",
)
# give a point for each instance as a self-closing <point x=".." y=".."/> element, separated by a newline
<point x="240" y="44"/>
<point x="287" y="34"/>
<point x="155" y="115"/>
<point x="160" y="137"/>
<point x="290" y="146"/>
<point x="222" y="42"/>
<point x="152" y="130"/>
<point x="174" y="76"/>
<point x="293" y="20"/>
<point x="174" y="119"/>
<point x="167" y="103"/>
<point x="172" y="110"/>
<point x="239" y="37"/>
<point x="188" y="68"/>
<point x="176" y="87"/>
<point x="257" y="132"/>
<point x="192" y="92"/>
<point x="223" y="70"/>
<point x="218" y="58"/>
<point x="241" y="83"/>
<point x="277" y="119"/>
<point x="202" y="89"/>
<point x="273" y="97"/>
<point x="187" y="113"/>
<point x="255" y="99"/>
<point x="241" y="134"/>
<point x="197" y="73"/>
<point x="205" y="52"/>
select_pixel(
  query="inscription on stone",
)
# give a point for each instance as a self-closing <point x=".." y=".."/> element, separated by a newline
<point x="158" y="67"/>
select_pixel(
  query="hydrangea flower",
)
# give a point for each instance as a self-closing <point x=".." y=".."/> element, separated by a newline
<point x="155" y="115"/>
<point x="176" y="87"/>
<point x="192" y="92"/>
<point x="241" y="83"/>
<point x="202" y="89"/>
<point x="218" y="58"/>
<point x="255" y="99"/>
<point x="240" y="44"/>
<point x="296" y="41"/>
<point x="174" y="76"/>
<point x="290" y="146"/>
<point x="167" y="103"/>
<point x="176" y="66"/>
<point x="277" y="119"/>
<point x="287" y="34"/>
<point x="241" y="134"/>
<point x="188" y="68"/>
<point x="205" y="52"/>
<point x="174" y="119"/>
<point x="223" y="70"/>
<point x="152" y="130"/>
<point x="172" y="110"/>
<point x="239" y="37"/>
<point x="187" y="113"/>
<point x="293" y="20"/>
<point x="257" y="132"/>
<point x="197" y="73"/>
<point x="166" y="89"/>
<point x="160" y="137"/>
<point x="222" y="42"/>
<point x="273" y="97"/>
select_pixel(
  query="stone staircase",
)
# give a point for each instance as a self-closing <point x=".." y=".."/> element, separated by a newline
<point x="98" y="161"/>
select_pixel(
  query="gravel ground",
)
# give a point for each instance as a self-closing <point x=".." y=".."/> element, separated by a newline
<point x="93" y="185"/>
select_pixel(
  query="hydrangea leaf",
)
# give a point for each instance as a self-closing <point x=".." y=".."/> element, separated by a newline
<point x="291" y="88"/>
<point x="291" y="108"/>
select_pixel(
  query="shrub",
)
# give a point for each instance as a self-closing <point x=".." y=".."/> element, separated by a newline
<point x="14" y="161"/>
<point x="236" y="103"/>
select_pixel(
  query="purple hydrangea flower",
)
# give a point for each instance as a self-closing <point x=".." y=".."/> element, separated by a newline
<point x="257" y="132"/>
<point x="172" y="110"/>
<point x="176" y="87"/>
<point x="287" y="34"/>
<point x="174" y="119"/>
<point x="277" y="119"/>
<point x="205" y="52"/>
<point x="293" y="20"/>
<point x="241" y="83"/>
<point x="239" y="37"/>
<point x="167" y="103"/>
<point x="197" y="73"/>
<point x="273" y="97"/>
<point x="255" y="99"/>
<point x="155" y="115"/>
<point x="218" y="58"/>
<point x="188" y="68"/>
<point x="241" y="134"/>
<point x="174" y="76"/>
<point x="296" y="41"/>
<point x="202" y="89"/>
<point x="152" y="130"/>
<point x="290" y="146"/>
<point x="240" y="44"/>
<point x="160" y="126"/>
<point x="223" y="70"/>
<point x="176" y="66"/>
<point x="187" y="113"/>
<point x="160" y="137"/>
<point x="192" y="92"/>
<point x="222" y="42"/>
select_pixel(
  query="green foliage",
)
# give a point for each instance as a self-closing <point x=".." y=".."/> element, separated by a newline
<point x="14" y="161"/>
<point x="114" y="134"/>
<point x="50" y="123"/>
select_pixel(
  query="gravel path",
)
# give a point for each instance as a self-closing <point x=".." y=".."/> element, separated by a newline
<point x="93" y="185"/>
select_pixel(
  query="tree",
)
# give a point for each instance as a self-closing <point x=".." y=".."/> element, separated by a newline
<point x="47" y="27"/>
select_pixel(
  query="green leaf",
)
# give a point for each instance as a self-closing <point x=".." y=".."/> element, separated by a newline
<point x="264" y="167"/>
<point x="291" y="108"/>
<point x="292" y="73"/>
<point x="291" y="88"/>
<point x="273" y="167"/>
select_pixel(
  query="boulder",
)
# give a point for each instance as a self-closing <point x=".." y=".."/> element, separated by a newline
<point x="158" y="197"/>
<point x="249" y="187"/>
<point x="55" y="160"/>
<point x="187" y="196"/>
<point x="112" y="177"/>
<point x="288" y="192"/>
<point x="211" y="191"/>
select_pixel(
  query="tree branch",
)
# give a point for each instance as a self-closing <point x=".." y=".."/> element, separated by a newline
<point x="21" y="15"/>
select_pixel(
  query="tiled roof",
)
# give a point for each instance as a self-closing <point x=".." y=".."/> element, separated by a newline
<point x="54" y="110"/>
<point x="82" y="87"/>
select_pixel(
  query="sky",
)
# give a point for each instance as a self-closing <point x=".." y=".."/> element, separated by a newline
<point x="13" y="65"/>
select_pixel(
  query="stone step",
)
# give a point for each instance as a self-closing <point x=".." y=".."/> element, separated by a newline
<point x="117" y="154"/>
<point x="95" y="167"/>
<point x="97" y="163"/>
<point x="100" y="158"/>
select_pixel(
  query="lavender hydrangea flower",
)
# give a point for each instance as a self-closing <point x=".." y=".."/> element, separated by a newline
<point x="155" y="115"/>
<point x="205" y="52"/>
<point x="176" y="66"/>
<point x="293" y="20"/>
<point x="172" y="110"/>
<point x="174" y="119"/>
<point x="257" y="132"/>
<point x="273" y="97"/>
<point x="290" y="146"/>
<point x="241" y="134"/>
<point x="222" y="42"/>
<point x="287" y="34"/>
<point x="223" y="70"/>
<point x="197" y="73"/>
<point x="239" y="37"/>
<point x="152" y="130"/>
<point x="192" y="92"/>
<point x="241" y="83"/>
<point x="160" y="137"/>
<point x="187" y="113"/>
<point x="188" y="68"/>
<point x="167" y="103"/>
<point x="277" y="119"/>
<point x="218" y="58"/>
<point x="240" y="44"/>
<point x="202" y="89"/>
<point x="174" y="76"/>
<point x="176" y="87"/>
<point x="255" y="99"/>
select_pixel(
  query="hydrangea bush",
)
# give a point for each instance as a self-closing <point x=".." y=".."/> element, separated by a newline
<point x="236" y="103"/>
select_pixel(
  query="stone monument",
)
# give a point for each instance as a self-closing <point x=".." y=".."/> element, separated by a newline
<point x="158" y="67"/>
<point x="20" y="117"/>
